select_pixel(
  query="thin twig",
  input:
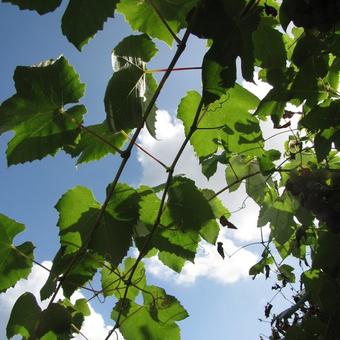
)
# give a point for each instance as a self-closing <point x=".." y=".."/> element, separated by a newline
<point x="89" y="131"/>
<point x="147" y="152"/>
<point x="159" y="214"/>
<point x="173" y="34"/>
<point x="157" y="70"/>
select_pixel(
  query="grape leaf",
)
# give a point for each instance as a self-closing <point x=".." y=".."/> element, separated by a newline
<point x="91" y="148"/>
<point x="130" y="89"/>
<point x="142" y="16"/>
<point x="279" y="212"/>
<point x="256" y="185"/>
<point x="237" y="169"/>
<point x="112" y="284"/>
<point x="18" y="322"/>
<point x="188" y="207"/>
<point x="111" y="237"/>
<point x="41" y="6"/>
<point x="83" y="19"/>
<point x="219" y="63"/>
<point x="56" y="319"/>
<point x="180" y="228"/>
<point x="227" y="120"/>
<point x="36" y="112"/>
<point x="322" y="117"/>
<point x="269" y="49"/>
<point x="155" y="319"/>
<point x="167" y="238"/>
<point x="80" y="274"/>
<point x="15" y="261"/>
<point x="163" y="308"/>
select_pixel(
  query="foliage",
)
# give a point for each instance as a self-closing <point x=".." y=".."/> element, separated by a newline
<point x="223" y="126"/>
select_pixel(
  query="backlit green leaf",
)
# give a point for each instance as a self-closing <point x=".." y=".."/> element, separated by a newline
<point x="113" y="284"/>
<point x="18" y="322"/>
<point x="96" y="141"/>
<point x="15" y="261"/>
<point x="41" y="6"/>
<point x="226" y="121"/>
<point x="142" y="16"/>
<point x="83" y="19"/>
<point x="129" y="88"/>
<point x="36" y="112"/>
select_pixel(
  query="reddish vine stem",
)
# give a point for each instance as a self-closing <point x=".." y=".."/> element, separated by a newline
<point x="157" y="70"/>
<point x="96" y="135"/>
<point x="125" y="155"/>
<point x="159" y="214"/>
<point x="147" y="153"/>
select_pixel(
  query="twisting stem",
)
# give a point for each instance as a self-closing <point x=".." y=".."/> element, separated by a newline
<point x="125" y="155"/>
<point x="147" y="152"/>
<point x="157" y="70"/>
<point x="143" y="251"/>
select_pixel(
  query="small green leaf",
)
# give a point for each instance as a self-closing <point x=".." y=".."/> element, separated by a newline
<point x="142" y="16"/>
<point x="112" y="284"/>
<point x="15" y="261"/>
<point x="163" y="308"/>
<point x="36" y="112"/>
<point x="112" y="236"/>
<point x="18" y="322"/>
<point x="130" y="89"/>
<point x="83" y="19"/>
<point x="226" y="121"/>
<point x="279" y="212"/>
<point x="83" y="270"/>
<point x="322" y="146"/>
<point x="173" y="261"/>
<point x="286" y="273"/>
<point x="237" y="169"/>
<point x="269" y="48"/>
<point x="41" y="6"/>
<point x="256" y="185"/>
<point x="91" y="147"/>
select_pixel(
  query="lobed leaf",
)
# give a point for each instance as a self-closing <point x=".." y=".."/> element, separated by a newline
<point x="36" y="112"/>
<point x="130" y="89"/>
<point x="15" y="261"/>
<point x="83" y="19"/>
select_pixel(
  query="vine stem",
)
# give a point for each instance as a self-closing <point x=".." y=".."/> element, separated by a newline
<point x="173" y="34"/>
<point x="94" y="134"/>
<point x="125" y="157"/>
<point x="146" y="152"/>
<point x="157" y="70"/>
<point x="159" y="214"/>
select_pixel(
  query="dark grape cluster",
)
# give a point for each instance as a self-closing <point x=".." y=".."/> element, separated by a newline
<point x="319" y="14"/>
<point x="319" y="191"/>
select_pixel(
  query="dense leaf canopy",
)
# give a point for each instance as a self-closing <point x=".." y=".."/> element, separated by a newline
<point x="292" y="45"/>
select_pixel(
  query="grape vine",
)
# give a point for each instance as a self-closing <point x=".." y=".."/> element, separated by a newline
<point x="294" y="46"/>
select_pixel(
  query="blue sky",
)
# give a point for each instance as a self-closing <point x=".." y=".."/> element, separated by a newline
<point x="222" y="301"/>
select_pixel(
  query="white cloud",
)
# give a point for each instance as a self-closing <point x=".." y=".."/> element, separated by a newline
<point x="94" y="327"/>
<point x="208" y="263"/>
